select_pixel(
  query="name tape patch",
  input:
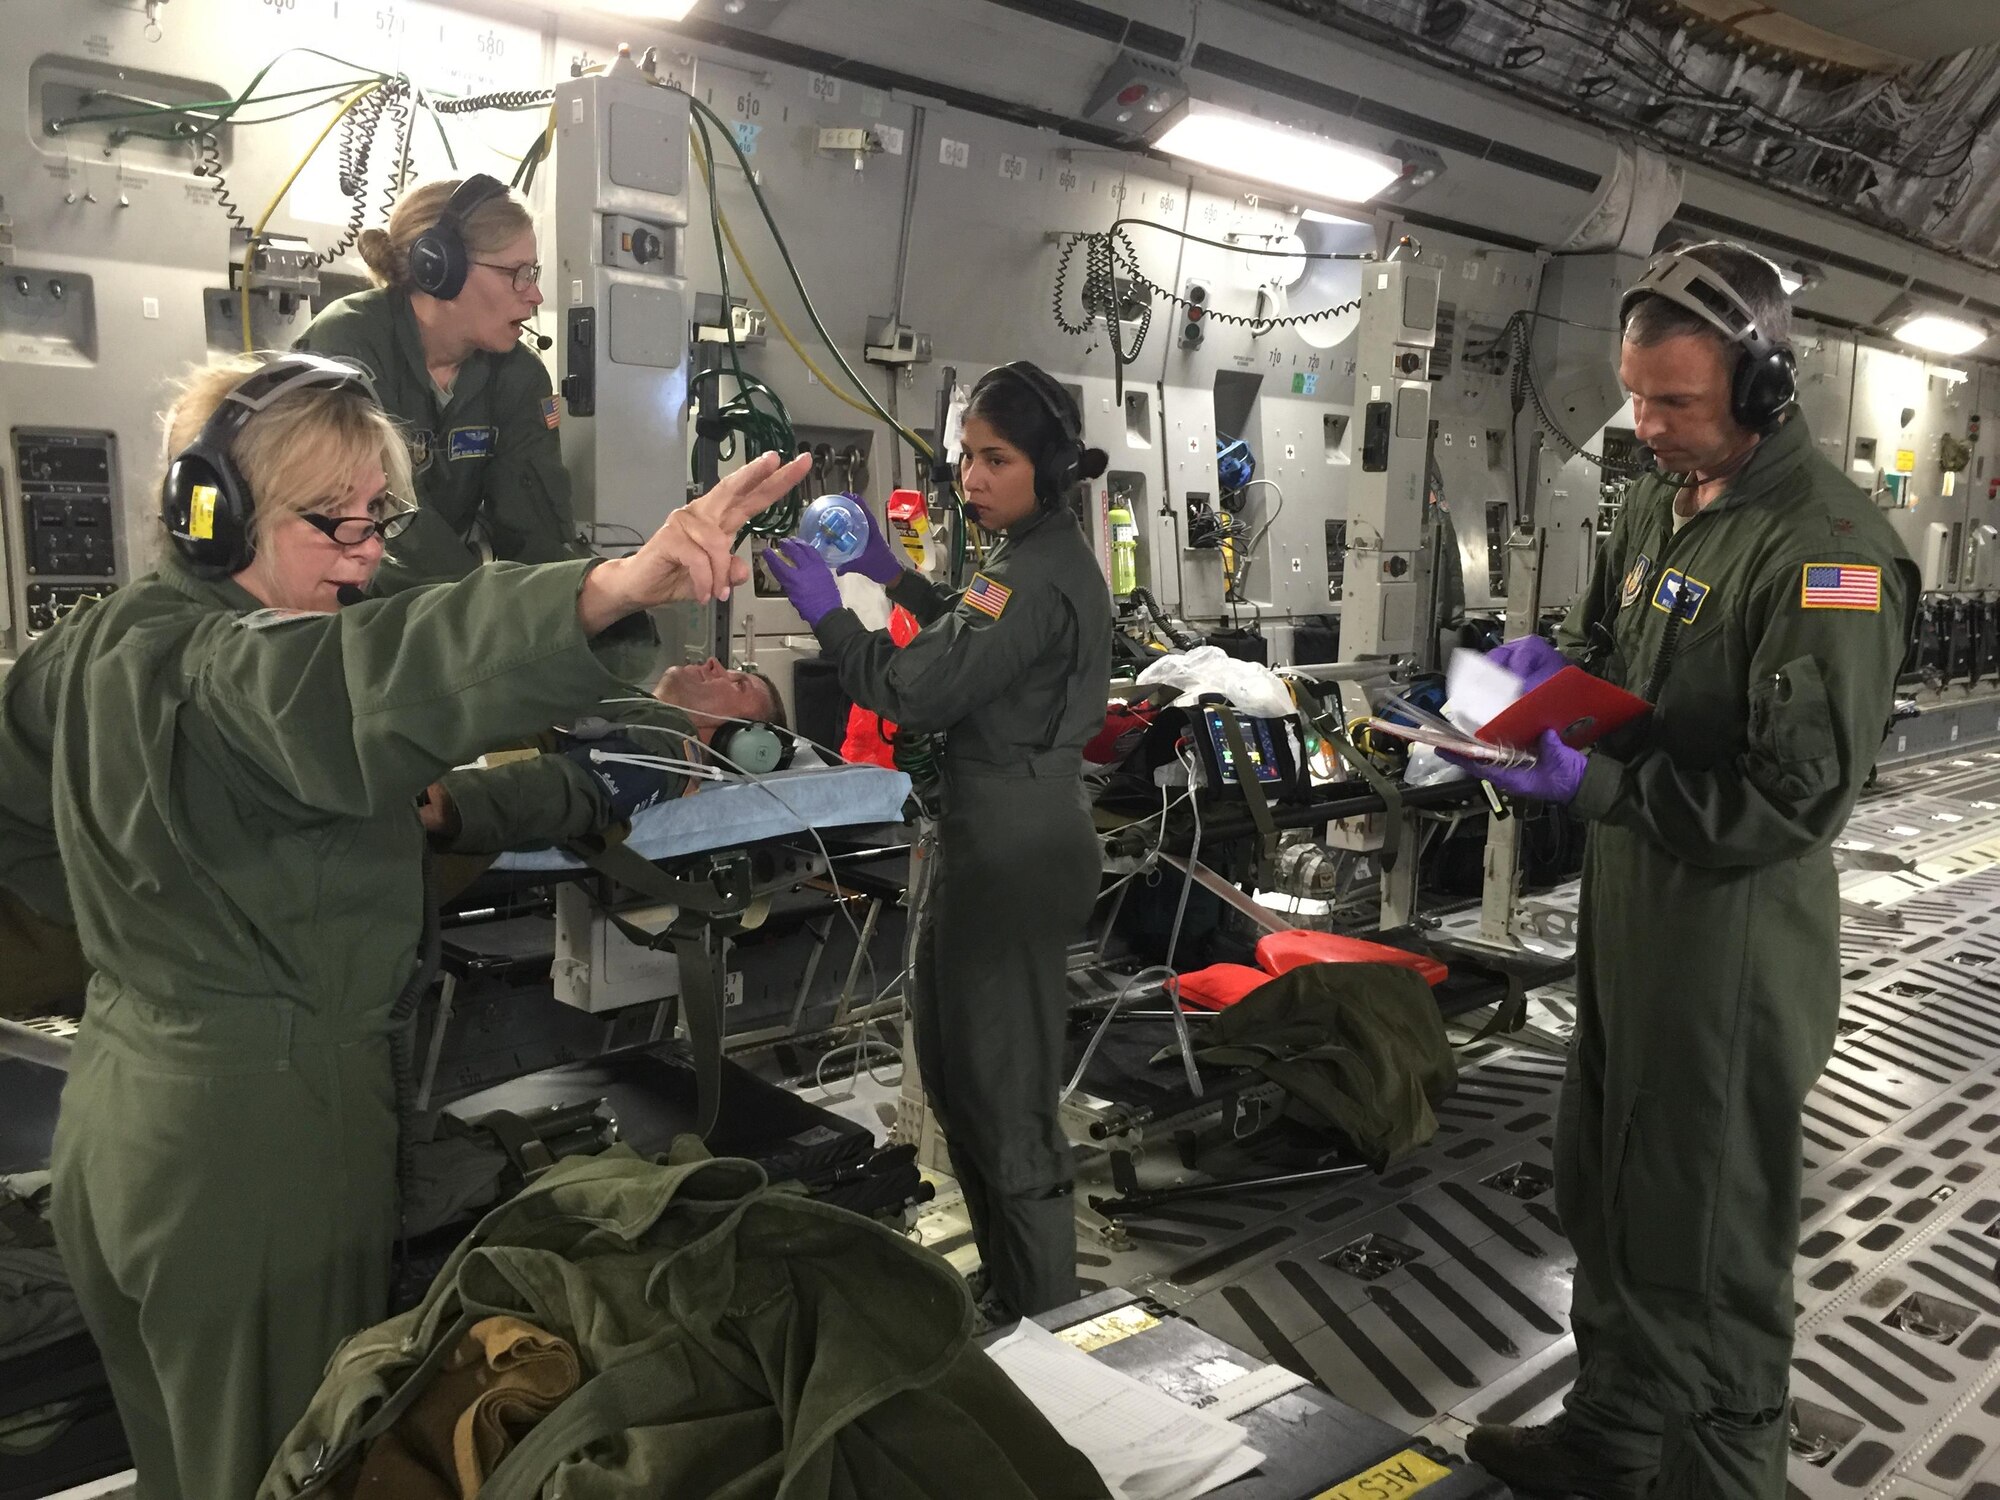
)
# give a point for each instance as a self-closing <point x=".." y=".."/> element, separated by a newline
<point x="1680" y="594"/>
<point x="471" y="442"/>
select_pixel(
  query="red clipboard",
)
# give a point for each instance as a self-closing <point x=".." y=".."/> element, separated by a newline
<point x="1580" y="707"/>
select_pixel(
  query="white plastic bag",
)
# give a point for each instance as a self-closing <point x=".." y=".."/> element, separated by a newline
<point x="1256" y="690"/>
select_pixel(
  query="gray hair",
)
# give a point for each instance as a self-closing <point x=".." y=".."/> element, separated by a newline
<point x="1654" y="320"/>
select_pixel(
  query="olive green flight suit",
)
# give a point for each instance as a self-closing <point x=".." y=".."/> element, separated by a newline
<point x="230" y="793"/>
<point x="545" y="798"/>
<point x="488" y="460"/>
<point x="1708" y="962"/>
<point x="1014" y="672"/>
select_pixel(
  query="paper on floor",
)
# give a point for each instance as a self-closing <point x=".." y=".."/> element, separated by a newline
<point x="1144" y="1444"/>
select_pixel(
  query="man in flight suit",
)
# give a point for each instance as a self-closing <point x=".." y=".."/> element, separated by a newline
<point x="1758" y="599"/>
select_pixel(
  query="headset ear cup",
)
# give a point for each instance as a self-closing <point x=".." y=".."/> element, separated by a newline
<point x="438" y="262"/>
<point x="1763" y="388"/>
<point x="757" y="749"/>
<point x="205" y="507"/>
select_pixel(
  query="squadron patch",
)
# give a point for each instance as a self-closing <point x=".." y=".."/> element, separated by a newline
<point x="422" y="442"/>
<point x="1680" y="594"/>
<point x="471" y="442"/>
<point x="987" y="596"/>
<point x="1635" y="580"/>
<point x="1841" y="586"/>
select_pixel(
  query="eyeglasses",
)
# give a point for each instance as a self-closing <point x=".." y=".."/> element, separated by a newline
<point x="352" y="531"/>
<point x="525" y="275"/>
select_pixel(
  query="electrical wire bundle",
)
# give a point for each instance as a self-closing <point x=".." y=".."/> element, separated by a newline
<point x="1826" y="133"/>
<point x="755" y="414"/>
<point x="1110" y="254"/>
<point x="1526" y="390"/>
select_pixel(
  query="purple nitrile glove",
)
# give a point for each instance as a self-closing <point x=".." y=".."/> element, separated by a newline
<point x="1529" y="658"/>
<point x="876" y="560"/>
<point x="1555" y="775"/>
<point x="806" y="579"/>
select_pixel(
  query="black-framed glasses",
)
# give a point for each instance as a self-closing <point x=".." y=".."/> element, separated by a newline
<point x="525" y="275"/>
<point x="352" y="531"/>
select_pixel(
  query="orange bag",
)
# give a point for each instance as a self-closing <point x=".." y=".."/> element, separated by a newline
<point x="867" y="740"/>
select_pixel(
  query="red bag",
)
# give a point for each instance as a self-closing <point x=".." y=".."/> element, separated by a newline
<point x="1220" y="985"/>
<point x="1279" y="952"/>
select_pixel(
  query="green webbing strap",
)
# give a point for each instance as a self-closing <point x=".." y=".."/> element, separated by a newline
<point x="1509" y="1014"/>
<point x="333" y="1458"/>
<point x="642" y="1392"/>
<point x="1246" y="778"/>
<point x="702" y="986"/>
<point x="1390" y="793"/>
<point x="648" y="879"/>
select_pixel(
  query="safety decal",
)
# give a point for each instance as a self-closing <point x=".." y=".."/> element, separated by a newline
<point x="1635" y="580"/>
<point x="1670" y="599"/>
<point x="422" y="441"/>
<point x="1841" y="586"/>
<point x="1391" y="1479"/>
<point x="551" y="412"/>
<point x="201" y="513"/>
<point x="1108" y="1328"/>
<point x="471" y="442"/>
<point x="988" y="596"/>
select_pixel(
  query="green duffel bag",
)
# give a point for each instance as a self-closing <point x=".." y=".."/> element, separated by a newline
<point x="737" y="1341"/>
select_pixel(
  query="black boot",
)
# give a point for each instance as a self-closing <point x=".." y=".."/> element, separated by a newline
<point x="1554" y="1460"/>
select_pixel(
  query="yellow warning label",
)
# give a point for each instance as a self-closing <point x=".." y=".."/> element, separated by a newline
<point x="201" y="513"/>
<point x="1109" y="1328"/>
<point x="1393" y="1478"/>
<point x="1906" y="460"/>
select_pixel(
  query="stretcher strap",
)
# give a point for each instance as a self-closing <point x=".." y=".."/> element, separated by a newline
<point x="702" y="984"/>
<point x="1390" y="793"/>
<point x="1247" y="781"/>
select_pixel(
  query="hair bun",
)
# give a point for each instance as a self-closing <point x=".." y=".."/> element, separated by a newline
<point x="1095" y="462"/>
<point x="378" y="253"/>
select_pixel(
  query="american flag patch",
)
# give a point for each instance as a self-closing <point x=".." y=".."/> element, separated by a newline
<point x="1840" y="586"/>
<point x="551" y="411"/>
<point x="987" y="596"/>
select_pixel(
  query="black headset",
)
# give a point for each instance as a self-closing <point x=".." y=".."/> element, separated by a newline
<point x="1056" y="473"/>
<point x="1765" y="380"/>
<point x="439" y="261"/>
<point x="204" y="500"/>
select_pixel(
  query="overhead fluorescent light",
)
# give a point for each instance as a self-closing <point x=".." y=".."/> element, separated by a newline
<point x="1940" y="334"/>
<point x="1321" y="216"/>
<point x="1245" y="146"/>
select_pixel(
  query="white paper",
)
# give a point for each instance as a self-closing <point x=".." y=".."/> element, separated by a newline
<point x="1143" y="1443"/>
<point x="1476" y="690"/>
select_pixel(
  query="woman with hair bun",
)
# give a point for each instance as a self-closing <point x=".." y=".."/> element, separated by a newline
<point x="458" y="278"/>
<point x="1012" y="671"/>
